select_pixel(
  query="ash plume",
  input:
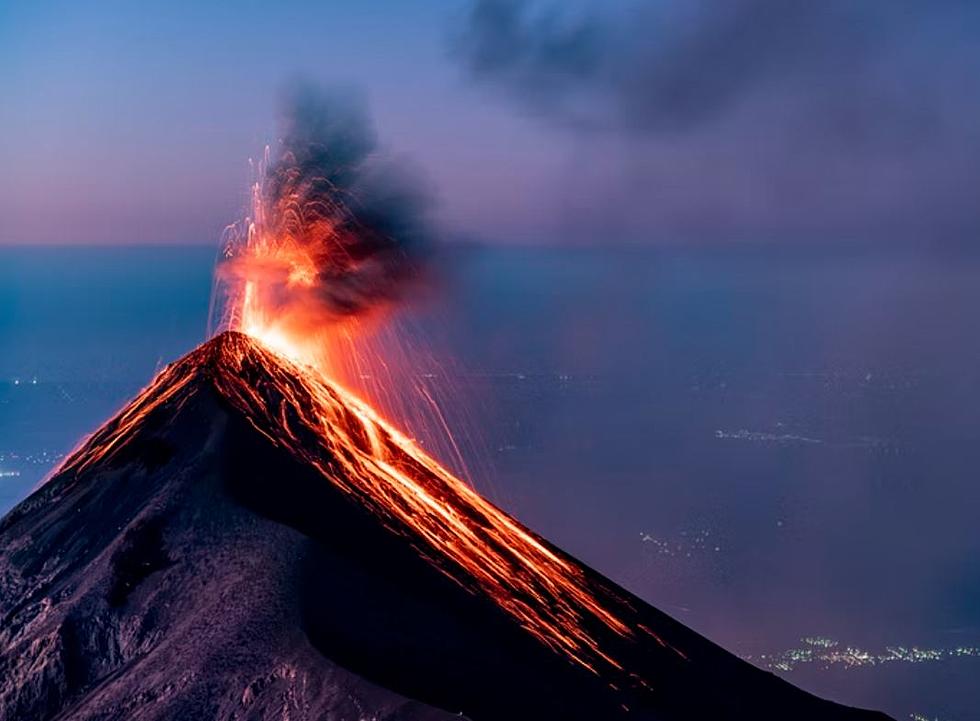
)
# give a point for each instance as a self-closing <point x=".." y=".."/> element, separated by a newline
<point x="338" y="230"/>
<point x="752" y="116"/>
<point x="665" y="66"/>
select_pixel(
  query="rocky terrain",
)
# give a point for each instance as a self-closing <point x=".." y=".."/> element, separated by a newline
<point x="204" y="556"/>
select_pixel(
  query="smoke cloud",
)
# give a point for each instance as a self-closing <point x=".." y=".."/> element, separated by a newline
<point x="338" y="229"/>
<point x="751" y="112"/>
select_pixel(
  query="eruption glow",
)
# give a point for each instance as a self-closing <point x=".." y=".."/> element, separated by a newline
<point x="333" y="239"/>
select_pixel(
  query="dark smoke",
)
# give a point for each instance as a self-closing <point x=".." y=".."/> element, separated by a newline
<point x="673" y="66"/>
<point x="757" y="115"/>
<point x="330" y="197"/>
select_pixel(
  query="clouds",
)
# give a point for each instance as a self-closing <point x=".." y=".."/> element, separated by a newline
<point x="868" y="110"/>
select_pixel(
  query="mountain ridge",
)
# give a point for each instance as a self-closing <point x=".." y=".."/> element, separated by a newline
<point x="193" y="537"/>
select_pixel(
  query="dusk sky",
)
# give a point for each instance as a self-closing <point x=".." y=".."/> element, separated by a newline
<point x="652" y="122"/>
<point x="685" y="286"/>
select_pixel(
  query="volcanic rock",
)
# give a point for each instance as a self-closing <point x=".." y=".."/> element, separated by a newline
<point x="245" y="542"/>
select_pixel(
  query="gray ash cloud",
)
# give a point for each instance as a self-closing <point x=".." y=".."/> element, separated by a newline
<point x="868" y="111"/>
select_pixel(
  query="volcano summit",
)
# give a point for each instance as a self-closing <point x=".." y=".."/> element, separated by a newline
<point x="247" y="540"/>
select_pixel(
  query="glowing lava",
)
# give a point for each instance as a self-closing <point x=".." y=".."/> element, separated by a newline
<point x="451" y="525"/>
<point x="363" y="453"/>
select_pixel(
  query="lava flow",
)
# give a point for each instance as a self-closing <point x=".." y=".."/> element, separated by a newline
<point x="463" y="535"/>
<point x="388" y="473"/>
<point x="368" y="458"/>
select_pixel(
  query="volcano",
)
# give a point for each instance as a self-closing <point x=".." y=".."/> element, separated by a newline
<point x="248" y="541"/>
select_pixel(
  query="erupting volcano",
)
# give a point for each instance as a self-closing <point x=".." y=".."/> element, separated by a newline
<point x="249" y="539"/>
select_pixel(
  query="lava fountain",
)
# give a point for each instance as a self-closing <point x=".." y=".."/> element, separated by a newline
<point x="334" y="237"/>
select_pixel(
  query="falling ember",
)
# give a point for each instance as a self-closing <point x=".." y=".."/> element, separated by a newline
<point x="308" y="274"/>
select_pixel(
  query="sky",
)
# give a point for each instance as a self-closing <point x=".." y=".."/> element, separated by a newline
<point x="655" y="122"/>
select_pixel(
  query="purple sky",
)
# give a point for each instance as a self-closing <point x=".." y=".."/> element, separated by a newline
<point x="584" y="122"/>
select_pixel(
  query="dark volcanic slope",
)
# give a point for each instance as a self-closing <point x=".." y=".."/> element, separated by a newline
<point x="211" y="553"/>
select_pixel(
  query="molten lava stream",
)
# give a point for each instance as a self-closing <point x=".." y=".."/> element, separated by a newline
<point x="303" y="275"/>
<point x="368" y="458"/>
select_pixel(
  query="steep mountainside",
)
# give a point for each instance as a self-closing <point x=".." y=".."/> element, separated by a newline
<point x="247" y="541"/>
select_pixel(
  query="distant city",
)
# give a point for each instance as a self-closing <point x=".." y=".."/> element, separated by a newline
<point x="827" y="652"/>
